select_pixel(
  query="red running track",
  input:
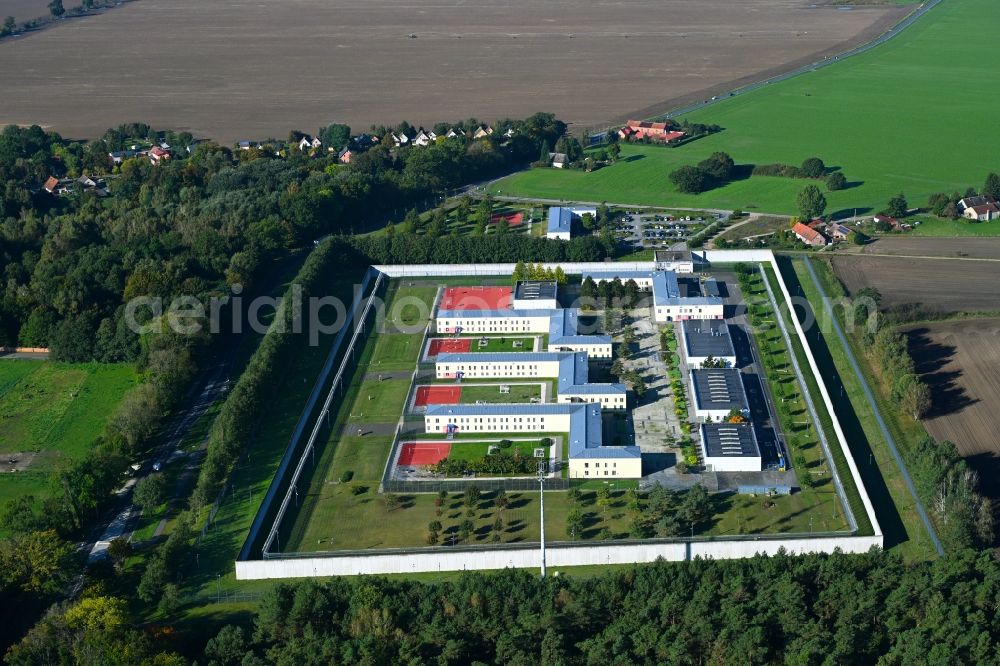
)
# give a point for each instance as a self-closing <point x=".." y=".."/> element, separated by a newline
<point x="423" y="453"/>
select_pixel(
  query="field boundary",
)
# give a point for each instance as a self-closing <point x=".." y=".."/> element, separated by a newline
<point x="869" y="396"/>
<point x="892" y="32"/>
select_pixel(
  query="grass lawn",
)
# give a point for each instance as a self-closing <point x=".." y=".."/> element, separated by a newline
<point x="504" y="344"/>
<point x="870" y="115"/>
<point x="476" y="450"/>
<point x="379" y="401"/>
<point x="492" y="394"/>
<point x="409" y="306"/>
<point x="931" y="225"/>
<point x="801" y="435"/>
<point x="905" y="531"/>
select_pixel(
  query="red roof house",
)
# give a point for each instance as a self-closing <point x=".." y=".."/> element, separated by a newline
<point x="808" y="235"/>
<point x="51" y="184"/>
<point x="157" y="154"/>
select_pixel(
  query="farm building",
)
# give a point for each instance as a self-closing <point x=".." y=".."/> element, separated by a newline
<point x="716" y="392"/>
<point x="707" y="339"/>
<point x="730" y="447"/>
<point x="640" y="129"/>
<point x="808" y="235"/>
<point x="982" y="212"/>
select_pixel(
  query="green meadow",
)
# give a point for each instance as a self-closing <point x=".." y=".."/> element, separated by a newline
<point x="915" y="115"/>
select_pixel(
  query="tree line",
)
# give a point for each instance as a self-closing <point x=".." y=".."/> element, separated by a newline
<point x="813" y="609"/>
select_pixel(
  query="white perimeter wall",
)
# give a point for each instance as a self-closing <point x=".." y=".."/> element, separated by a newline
<point x="445" y="559"/>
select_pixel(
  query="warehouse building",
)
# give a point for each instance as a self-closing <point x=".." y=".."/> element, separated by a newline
<point x="716" y="392"/>
<point x="588" y="457"/>
<point x="704" y="339"/>
<point x="730" y="447"/>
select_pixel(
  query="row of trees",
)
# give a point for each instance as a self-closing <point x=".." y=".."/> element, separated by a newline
<point x="845" y="609"/>
<point x="610" y="293"/>
<point x="523" y="271"/>
<point x="944" y="482"/>
<point x="812" y="167"/>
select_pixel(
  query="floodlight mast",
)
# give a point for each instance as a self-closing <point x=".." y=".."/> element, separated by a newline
<point x="541" y="504"/>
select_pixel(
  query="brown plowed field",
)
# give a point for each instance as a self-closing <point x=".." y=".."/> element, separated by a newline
<point x="926" y="246"/>
<point x="248" y="69"/>
<point x="944" y="285"/>
<point x="960" y="361"/>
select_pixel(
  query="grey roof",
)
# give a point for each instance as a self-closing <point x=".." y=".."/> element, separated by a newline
<point x="594" y="389"/>
<point x="712" y="287"/>
<point x="718" y="388"/>
<point x="706" y="337"/>
<point x="564" y="326"/>
<point x="533" y="290"/>
<point x="729" y="440"/>
<point x="666" y="291"/>
<point x="560" y="220"/>
<point x="573" y="368"/>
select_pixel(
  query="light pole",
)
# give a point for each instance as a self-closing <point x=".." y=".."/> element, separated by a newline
<point x="541" y="508"/>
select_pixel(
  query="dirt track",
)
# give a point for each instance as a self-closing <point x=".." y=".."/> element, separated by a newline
<point x="960" y="361"/>
<point x="246" y="69"/>
<point x="945" y="285"/>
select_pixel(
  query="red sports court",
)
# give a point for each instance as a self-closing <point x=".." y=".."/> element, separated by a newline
<point x="423" y="453"/>
<point x="513" y="219"/>
<point x="449" y="346"/>
<point x="437" y="395"/>
<point x="476" y="298"/>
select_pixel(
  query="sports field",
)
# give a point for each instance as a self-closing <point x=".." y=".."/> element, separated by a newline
<point x="885" y="118"/>
<point x="476" y="298"/>
<point x="51" y="413"/>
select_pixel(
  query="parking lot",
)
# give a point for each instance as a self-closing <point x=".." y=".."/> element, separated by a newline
<point x="660" y="230"/>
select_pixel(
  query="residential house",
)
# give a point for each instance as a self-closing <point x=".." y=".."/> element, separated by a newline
<point x="455" y="132"/>
<point x="158" y="155"/>
<point x="838" y="232"/>
<point x="640" y="129"/>
<point x="244" y="145"/>
<point x="344" y="156"/>
<point x="982" y="212"/>
<point x="307" y="143"/>
<point x="119" y="156"/>
<point x="808" y="235"/>
<point x="400" y="139"/>
<point x="971" y="202"/>
<point x="51" y="184"/>
<point x="482" y="132"/>
<point x="558" y="160"/>
<point x="424" y="138"/>
<point x="886" y="219"/>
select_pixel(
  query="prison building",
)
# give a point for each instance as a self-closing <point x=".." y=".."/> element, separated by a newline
<point x="702" y="339"/>
<point x="730" y="447"/>
<point x="535" y="295"/>
<point x="564" y="336"/>
<point x="680" y="261"/>
<point x="569" y="369"/>
<point x="716" y="392"/>
<point x="670" y="305"/>
<point x="582" y="423"/>
<point x="475" y="322"/>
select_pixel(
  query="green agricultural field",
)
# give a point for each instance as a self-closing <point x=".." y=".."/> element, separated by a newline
<point x="492" y="394"/>
<point x="53" y="412"/>
<point x="892" y="119"/>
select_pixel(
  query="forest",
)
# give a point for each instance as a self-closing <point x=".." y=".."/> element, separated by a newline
<point x="814" y="609"/>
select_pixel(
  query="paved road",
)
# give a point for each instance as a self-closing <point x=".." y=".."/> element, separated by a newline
<point x="33" y="356"/>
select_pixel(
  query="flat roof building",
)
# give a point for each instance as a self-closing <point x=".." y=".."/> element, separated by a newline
<point x="716" y="392"/>
<point x="669" y="304"/>
<point x="535" y="295"/>
<point x="702" y="339"/>
<point x="730" y="447"/>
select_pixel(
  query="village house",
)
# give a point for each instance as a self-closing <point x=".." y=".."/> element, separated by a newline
<point x="51" y="184"/>
<point x="424" y="138"/>
<point x="979" y="200"/>
<point x="158" y="155"/>
<point x="455" y="132"/>
<point x="400" y="139"/>
<point x="344" y="156"/>
<point x="982" y="212"/>
<point x="482" y="132"/>
<point x="308" y="143"/>
<point x="808" y="235"/>
<point x="838" y="232"/>
<point x="558" y="160"/>
<point x="639" y="129"/>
